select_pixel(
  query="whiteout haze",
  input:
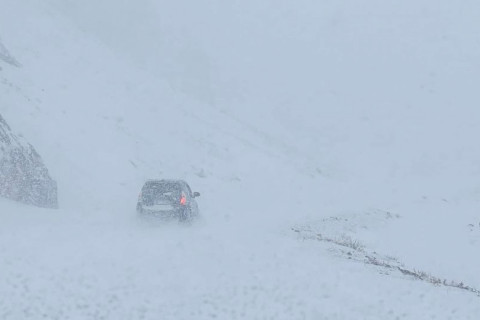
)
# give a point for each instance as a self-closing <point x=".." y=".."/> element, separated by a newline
<point x="354" y="124"/>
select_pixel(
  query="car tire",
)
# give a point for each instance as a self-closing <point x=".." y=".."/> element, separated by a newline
<point x="139" y="208"/>
<point x="185" y="215"/>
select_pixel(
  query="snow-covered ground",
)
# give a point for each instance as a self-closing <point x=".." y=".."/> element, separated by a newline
<point x="353" y="121"/>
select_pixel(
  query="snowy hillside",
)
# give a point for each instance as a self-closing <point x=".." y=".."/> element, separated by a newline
<point x="333" y="144"/>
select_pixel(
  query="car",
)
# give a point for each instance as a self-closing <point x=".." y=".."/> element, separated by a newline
<point x="168" y="199"/>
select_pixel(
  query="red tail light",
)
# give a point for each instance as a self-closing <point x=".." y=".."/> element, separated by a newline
<point x="183" y="199"/>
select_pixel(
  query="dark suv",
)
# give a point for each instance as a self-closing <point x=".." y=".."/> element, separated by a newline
<point x="168" y="199"/>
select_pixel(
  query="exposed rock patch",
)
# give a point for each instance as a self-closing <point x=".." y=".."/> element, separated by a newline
<point x="23" y="175"/>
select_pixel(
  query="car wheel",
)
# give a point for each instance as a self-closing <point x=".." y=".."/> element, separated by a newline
<point x="185" y="215"/>
<point x="139" y="208"/>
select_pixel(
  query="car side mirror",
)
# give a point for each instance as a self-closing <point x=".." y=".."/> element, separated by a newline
<point x="196" y="194"/>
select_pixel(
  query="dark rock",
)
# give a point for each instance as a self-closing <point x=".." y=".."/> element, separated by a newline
<point x="23" y="175"/>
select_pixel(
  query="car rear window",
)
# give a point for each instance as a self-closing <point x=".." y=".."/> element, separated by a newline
<point x="152" y="191"/>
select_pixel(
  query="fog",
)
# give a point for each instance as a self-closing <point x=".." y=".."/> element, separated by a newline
<point x="321" y="135"/>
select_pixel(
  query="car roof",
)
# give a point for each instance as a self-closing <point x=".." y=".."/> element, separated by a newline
<point x="166" y="181"/>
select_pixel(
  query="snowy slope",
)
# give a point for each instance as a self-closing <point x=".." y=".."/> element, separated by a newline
<point x="282" y="115"/>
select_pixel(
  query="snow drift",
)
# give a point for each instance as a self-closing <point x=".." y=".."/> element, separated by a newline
<point x="6" y="56"/>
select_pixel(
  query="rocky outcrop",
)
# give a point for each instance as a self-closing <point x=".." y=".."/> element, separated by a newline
<point x="23" y="175"/>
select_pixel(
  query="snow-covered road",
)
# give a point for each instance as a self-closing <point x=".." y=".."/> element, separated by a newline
<point x="73" y="265"/>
